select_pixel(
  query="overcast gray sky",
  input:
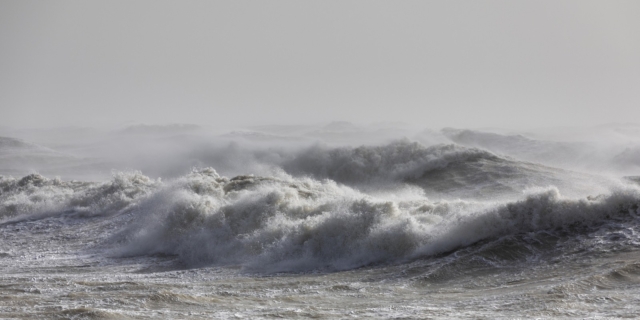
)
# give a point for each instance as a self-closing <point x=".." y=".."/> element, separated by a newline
<point x="434" y="64"/>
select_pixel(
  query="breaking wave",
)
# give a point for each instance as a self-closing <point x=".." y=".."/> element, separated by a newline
<point x="35" y="195"/>
<point x="317" y="210"/>
<point x="270" y="224"/>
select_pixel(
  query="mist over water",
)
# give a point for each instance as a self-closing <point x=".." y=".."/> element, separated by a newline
<point x="186" y="217"/>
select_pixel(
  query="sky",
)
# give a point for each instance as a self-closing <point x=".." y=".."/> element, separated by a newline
<point x="435" y="64"/>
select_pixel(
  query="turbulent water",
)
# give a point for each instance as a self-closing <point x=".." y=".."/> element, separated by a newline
<point x="330" y="222"/>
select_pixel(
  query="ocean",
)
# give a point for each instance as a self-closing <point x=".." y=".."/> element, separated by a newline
<point x="331" y="222"/>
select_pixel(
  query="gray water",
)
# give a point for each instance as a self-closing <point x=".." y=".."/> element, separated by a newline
<point x="451" y="224"/>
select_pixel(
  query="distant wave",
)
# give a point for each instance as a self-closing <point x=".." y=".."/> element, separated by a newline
<point x="614" y="155"/>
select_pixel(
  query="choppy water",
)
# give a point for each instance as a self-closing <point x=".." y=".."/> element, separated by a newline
<point x="399" y="229"/>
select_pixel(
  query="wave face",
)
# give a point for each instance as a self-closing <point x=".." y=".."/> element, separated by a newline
<point x="399" y="161"/>
<point x="443" y="170"/>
